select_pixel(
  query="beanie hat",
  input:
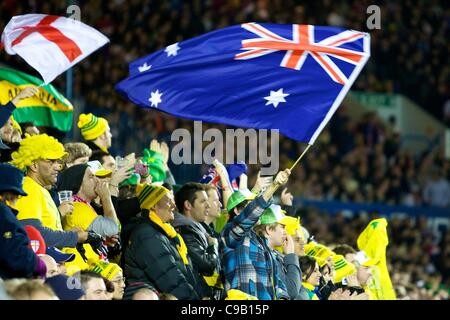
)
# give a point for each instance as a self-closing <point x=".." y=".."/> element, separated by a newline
<point x="60" y="285"/>
<point x="91" y="126"/>
<point x="272" y="214"/>
<point x="155" y="162"/>
<point x="107" y="270"/>
<point x="72" y="178"/>
<point x="37" y="147"/>
<point x="149" y="194"/>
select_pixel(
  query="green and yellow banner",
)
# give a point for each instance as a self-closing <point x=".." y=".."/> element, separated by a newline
<point x="49" y="108"/>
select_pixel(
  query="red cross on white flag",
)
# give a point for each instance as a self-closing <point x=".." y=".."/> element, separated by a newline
<point x="50" y="44"/>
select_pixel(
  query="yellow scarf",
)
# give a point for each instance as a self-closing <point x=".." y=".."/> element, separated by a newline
<point x="310" y="288"/>
<point x="170" y="231"/>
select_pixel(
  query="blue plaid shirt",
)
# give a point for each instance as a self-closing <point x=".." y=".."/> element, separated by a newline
<point x="248" y="262"/>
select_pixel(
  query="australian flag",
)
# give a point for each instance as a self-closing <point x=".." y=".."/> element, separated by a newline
<point x="254" y="75"/>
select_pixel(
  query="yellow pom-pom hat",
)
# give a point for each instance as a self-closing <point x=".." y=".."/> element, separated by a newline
<point x="91" y="126"/>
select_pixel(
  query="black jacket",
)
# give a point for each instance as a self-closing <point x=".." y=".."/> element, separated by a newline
<point x="16" y="259"/>
<point x="152" y="257"/>
<point x="205" y="258"/>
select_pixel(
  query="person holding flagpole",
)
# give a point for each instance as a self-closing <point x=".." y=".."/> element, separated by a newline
<point x="248" y="265"/>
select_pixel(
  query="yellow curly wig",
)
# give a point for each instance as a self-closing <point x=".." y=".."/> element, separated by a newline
<point x="36" y="147"/>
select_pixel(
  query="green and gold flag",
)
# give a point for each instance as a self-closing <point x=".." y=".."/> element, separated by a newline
<point x="49" y="108"/>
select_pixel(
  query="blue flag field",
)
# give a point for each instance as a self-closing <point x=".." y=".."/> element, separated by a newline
<point x="262" y="76"/>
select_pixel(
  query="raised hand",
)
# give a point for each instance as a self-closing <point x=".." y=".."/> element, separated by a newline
<point x="25" y="93"/>
<point x="286" y="197"/>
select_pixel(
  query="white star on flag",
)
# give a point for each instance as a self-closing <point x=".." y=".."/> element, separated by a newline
<point x="172" y="49"/>
<point x="155" y="99"/>
<point x="276" y="97"/>
<point x="144" y="67"/>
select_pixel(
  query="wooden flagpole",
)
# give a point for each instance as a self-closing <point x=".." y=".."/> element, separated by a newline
<point x="300" y="158"/>
<point x="275" y="186"/>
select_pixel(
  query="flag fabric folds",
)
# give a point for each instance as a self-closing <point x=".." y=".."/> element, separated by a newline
<point x="264" y="76"/>
<point x="373" y="241"/>
<point x="50" y="44"/>
<point x="48" y="108"/>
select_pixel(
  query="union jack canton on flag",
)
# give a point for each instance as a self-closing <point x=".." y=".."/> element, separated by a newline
<point x="262" y="76"/>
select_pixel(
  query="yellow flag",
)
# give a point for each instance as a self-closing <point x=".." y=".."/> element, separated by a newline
<point x="373" y="241"/>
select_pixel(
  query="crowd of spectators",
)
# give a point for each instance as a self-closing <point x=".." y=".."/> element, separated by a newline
<point x="418" y="256"/>
<point x="408" y="53"/>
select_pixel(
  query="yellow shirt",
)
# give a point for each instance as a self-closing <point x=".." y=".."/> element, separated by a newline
<point x="82" y="216"/>
<point x="38" y="204"/>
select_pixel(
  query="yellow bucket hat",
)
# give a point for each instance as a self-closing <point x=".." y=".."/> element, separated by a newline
<point x="91" y="126"/>
<point x="149" y="194"/>
<point x="108" y="270"/>
<point x="37" y="147"/>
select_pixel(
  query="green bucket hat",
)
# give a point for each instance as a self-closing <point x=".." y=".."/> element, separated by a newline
<point x="155" y="162"/>
<point x="273" y="214"/>
<point x="238" y="197"/>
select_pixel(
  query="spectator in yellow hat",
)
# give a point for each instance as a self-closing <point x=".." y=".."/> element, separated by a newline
<point x="41" y="157"/>
<point x="156" y="254"/>
<point x="96" y="132"/>
<point x="358" y="281"/>
<point x="113" y="273"/>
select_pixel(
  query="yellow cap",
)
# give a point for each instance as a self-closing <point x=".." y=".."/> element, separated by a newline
<point x="149" y="194"/>
<point x="107" y="269"/>
<point x="91" y="126"/>
<point x="37" y="147"/>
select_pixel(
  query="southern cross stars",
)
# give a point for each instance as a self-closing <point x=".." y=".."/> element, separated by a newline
<point x="144" y="67"/>
<point x="155" y="99"/>
<point x="172" y="49"/>
<point x="276" y="97"/>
